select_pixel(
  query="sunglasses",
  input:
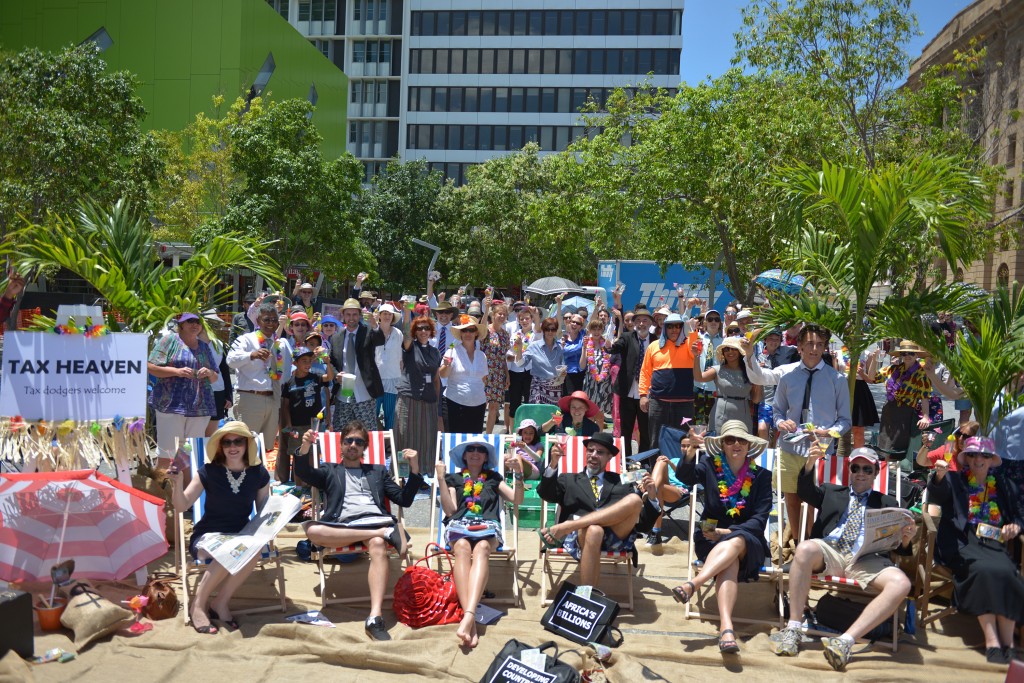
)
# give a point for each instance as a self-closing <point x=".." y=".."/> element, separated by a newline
<point x="667" y="325"/>
<point x="549" y="329"/>
<point x="986" y="456"/>
<point x="422" y="329"/>
<point x="866" y="469"/>
<point x="732" y="440"/>
<point x="228" y="443"/>
<point x="355" y="441"/>
<point x="475" y="449"/>
<point x="904" y="354"/>
<point x="712" y="320"/>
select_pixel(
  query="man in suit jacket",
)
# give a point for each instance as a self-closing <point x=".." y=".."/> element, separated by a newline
<point x="352" y="352"/>
<point x="837" y="535"/>
<point x="598" y="511"/>
<point x="354" y="511"/>
<point x="631" y="346"/>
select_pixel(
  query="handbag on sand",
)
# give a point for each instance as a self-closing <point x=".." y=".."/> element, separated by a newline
<point x="424" y="597"/>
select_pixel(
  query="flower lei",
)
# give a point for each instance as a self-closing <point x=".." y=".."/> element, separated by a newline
<point x="599" y="376"/>
<point x="982" y="510"/>
<point x="471" y="490"/>
<point x="277" y="368"/>
<point x="734" y="493"/>
<point x="90" y="331"/>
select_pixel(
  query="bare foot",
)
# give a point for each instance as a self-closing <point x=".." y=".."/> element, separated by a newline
<point x="467" y="630"/>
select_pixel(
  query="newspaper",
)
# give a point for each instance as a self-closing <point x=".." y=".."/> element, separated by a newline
<point x="883" y="530"/>
<point x="235" y="551"/>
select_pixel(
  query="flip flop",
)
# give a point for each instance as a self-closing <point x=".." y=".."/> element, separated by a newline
<point x="230" y="623"/>
<point x="548" y="540"/>
<point x="681" y="596"/>
<point x="728" y="646"/>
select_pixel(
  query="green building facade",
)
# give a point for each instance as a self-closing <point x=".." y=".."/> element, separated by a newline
<point x="185" y="52"/>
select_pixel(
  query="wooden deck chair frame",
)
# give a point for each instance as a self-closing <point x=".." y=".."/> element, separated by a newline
<point x="190" y="567"/>
<point x="573" y="461"/>
<point x="833" y="470"/>
<point x="508" y="552"/>
<point x="329" y="449"/>
<point x="771" y="571"/>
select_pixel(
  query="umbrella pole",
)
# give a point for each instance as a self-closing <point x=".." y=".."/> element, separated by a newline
<point x="60" y="546"/>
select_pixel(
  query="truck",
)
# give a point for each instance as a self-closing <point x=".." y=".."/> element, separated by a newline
<point x="645" y="284"/>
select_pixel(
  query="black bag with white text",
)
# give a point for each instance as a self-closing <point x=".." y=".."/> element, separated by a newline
<point x="508" y="667"/>
<point x="582" y="620"/>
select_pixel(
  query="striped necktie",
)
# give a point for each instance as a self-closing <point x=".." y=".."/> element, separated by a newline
<point x="851" y="531"/>
<point x="442" y="340"/>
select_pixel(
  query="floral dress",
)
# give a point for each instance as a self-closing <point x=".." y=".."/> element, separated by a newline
<point x="496" y="347"/>
<point x="598" y="380"/>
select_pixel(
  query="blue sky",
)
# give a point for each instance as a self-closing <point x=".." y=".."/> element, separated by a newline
<point x="709" y="25"/>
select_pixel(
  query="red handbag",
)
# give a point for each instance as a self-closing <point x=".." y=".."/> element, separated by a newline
<point x="424" y="597"/>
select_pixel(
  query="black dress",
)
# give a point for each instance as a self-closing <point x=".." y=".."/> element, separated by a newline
<point x="985" y="579"/>
<point x="749" y="524"/>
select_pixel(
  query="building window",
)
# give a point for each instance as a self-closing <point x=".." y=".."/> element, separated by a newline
<point x="1011" y="151"/>
<point x="358" y="53"/>
<point x="357" y="92"/>
<point x="382" y="10"/>
<point x="303" y="10"/>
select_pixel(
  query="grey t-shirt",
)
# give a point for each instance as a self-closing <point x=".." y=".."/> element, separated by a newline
<point x="359" y="506"/>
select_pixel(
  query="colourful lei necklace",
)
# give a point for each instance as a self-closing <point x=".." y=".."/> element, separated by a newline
<point x="471" y="490"/>
<point x="734" y="493"/>
<point x="598" y="375"/>
<point x="982" y="510"/>
<point x="277" y="368"/>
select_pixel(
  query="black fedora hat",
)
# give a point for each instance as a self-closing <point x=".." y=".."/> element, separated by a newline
<point x="605" y="439"/>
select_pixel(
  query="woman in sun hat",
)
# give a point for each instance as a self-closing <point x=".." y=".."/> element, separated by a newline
<point x="979" y="518"/>
<point x="738" y="496"/>
<point x="735" y="392"/>
<point x="465" y="367"/>
<point x="234" y="480"/>
<point x="471" y="498"/>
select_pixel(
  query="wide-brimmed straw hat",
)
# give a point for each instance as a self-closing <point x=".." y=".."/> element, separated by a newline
<point x="729" y="343"/>
<point x="908" y="346"/>
<point x="445" y="307"/>
<point x="465" y="322"/>
<point x="736" y="428"/>
<point x="239" y="429"/>
<point x="978" y="444"/>
<point x="457" y="454"/>
<point x="566" y="401"/>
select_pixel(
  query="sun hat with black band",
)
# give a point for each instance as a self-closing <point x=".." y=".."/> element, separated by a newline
<point x="239" y="429"/>
<point x="445" y="307"/>
<point x="729" y="343"/>
<point x="909" y="346"/>
<point x="736" y="428"/>
<point x="465" y="322"/>
<point x="458" y="454"/>
<point x="642" y="310"/>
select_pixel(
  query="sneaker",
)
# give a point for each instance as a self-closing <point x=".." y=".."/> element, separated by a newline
<point x="786" y="642"/>
<point x="837" y="652"/>
<point x="375" y="629"/>
<point x="654" y="539"/>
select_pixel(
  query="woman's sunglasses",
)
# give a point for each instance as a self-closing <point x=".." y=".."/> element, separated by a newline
<point x="422" y="329"/>
<point x="475" y="449"/>
<point x="233" y="442"/>
<point x="732" y="440"/>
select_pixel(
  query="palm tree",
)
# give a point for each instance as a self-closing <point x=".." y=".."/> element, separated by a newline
<point x="854" y="224"/>
<point x="113" y="250"/>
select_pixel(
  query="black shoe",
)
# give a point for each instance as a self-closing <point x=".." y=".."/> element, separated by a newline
<point x="997" y="655"/>
<point x="654" y="539"/>
<point x="376" y="630"/>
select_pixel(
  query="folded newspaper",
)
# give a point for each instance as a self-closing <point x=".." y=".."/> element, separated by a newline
<point x="883" y="530"/>
<point x="235" y="551"/>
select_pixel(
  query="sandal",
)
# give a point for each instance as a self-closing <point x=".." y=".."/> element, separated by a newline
<point x="681" y="596"/>
<point x="209" y="629"/>
<point x="548" y="540"/>
<point x="230" y="623"/>
<point x="728" y="646"/>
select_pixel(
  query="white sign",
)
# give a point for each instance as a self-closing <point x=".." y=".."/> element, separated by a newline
<point x="59" y="377"/>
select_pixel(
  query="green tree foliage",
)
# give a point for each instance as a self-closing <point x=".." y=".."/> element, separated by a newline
<point x="853" y="222"/>
<point x="406" y="200"/>
<point x="291" y="196"/>
<point x="69" y="130"/>
<point x="113" y="250"/>
<point x="695" y="179"/>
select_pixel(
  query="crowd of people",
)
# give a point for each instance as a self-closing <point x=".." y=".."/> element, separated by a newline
<point x="466" y="365"/>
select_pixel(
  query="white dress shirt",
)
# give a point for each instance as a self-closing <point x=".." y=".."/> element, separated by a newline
<point x="254" y="373"/>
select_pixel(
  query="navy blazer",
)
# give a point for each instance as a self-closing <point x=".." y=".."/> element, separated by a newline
<point x="576" y="497"/>
<point x="330" y="478"/>
<point x="628" y="347"/>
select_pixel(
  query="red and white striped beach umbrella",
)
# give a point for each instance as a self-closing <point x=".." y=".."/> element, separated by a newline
<point x="108" y="528"/>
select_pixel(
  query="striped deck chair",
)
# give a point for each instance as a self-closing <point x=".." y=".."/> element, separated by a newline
<point x="572" y="461"/>
<point x="507" y="552"/>
<point x="190" y="567"/>
<point x="835" y="470"/>
<point x="772" y="569"/>
<point x="376" y="453"/>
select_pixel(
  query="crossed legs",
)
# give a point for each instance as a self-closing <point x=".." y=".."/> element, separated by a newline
<point x="377" y="577"/>
<point x="470" y="572"/>
<point x="620" y="518"/>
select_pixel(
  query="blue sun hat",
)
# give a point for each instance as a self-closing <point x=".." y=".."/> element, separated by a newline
<point x="457" y="454"/>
